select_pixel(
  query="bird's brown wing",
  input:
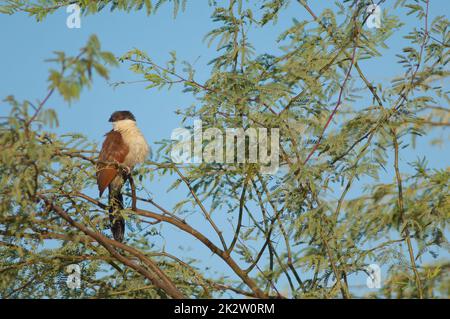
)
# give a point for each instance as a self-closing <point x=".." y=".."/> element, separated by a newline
<point x="114" y="149"/>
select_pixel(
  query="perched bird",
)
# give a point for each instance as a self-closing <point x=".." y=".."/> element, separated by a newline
<point x="123" y="148"/>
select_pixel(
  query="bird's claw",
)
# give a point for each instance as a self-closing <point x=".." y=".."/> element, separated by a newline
<point x="127" y="170"/>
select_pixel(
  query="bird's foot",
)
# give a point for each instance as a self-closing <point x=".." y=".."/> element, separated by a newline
<point x="126" y="170"/>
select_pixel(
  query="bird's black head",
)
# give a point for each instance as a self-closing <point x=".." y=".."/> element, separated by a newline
<point x="122" y="115"/>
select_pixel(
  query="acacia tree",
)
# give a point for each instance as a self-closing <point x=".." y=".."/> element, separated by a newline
<point x="297" y="228"/>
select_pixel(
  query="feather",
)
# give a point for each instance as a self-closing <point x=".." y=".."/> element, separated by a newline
<point x="113" y="149"/>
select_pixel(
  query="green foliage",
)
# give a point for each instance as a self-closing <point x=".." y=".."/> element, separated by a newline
<point x="76" y="72"/>
<point x="297" y="233"/>
<point x="42" y="8"/>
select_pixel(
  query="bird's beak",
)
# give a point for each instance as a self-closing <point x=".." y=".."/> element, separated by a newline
<point x="110" y="119"/>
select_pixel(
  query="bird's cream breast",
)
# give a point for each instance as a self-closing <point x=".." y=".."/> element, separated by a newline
<point x="133" y="138"/>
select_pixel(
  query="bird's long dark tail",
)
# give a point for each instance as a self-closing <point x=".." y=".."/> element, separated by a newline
<point x="117" y="221"/>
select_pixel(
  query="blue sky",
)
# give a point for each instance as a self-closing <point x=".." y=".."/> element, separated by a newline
<point x="26" y="44"/>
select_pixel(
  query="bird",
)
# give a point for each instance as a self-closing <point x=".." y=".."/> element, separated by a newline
<point x="123" y="148"/>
